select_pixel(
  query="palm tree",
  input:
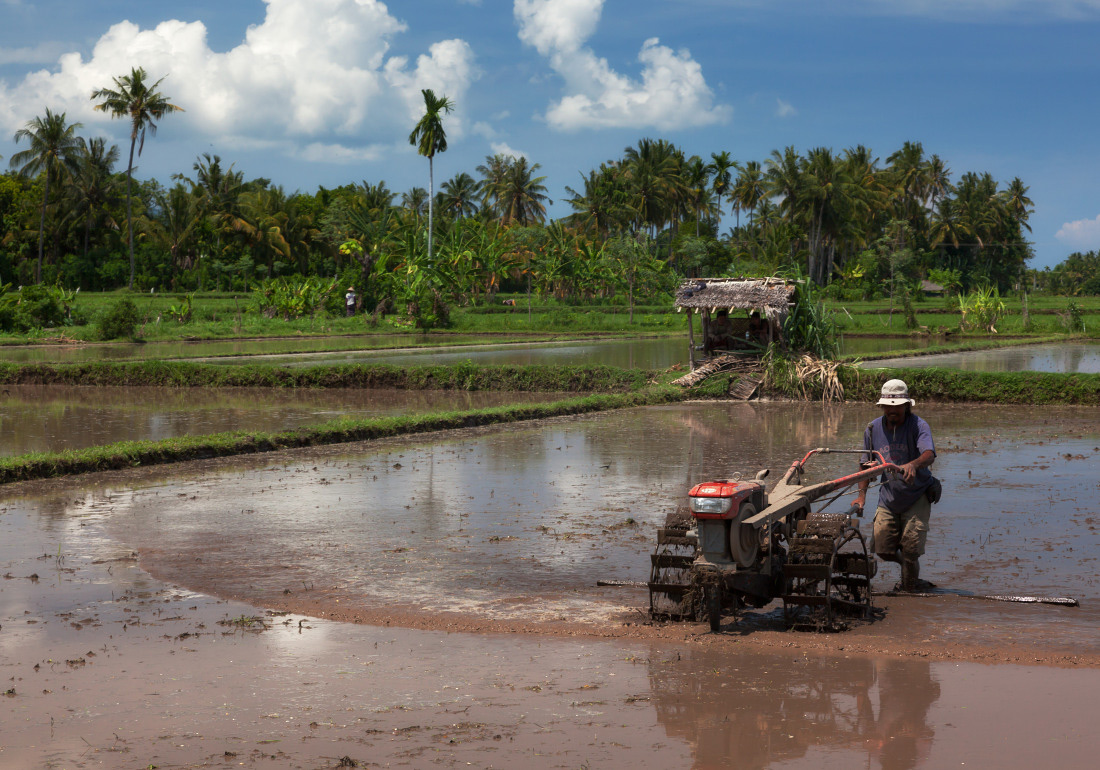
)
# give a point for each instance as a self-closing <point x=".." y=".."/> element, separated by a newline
<point x="494" y="172"/>
<point x="177" y="219"/>
<point x="701" y="199"/>
<point x="416" y="200"/>
<point x="522" y="198"/>
<point x="134" y="98"/>
<point x="53" y="148"/>
<point x="603" y="205"/>
<point x="748" y="190"/>
<point x="376" y="197"/>
<point x="460" y="195"/>
<point x="217" y="192"/>
<point x="939" y="180"/>
<point x="826" y="189"/>
<point x="1017" y="203"/>
<point x="94" y="184"/>
<point x="784" y="180"/>
<point x="429" y="138"/>
<point x="653" y="168"/>
<point x="911" y="175"/>
<point x="720" y="166"/>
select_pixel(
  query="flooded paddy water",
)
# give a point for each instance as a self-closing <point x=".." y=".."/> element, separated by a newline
<point x="1063" y="357"/>
<point x="49" y="418"/>
<point x="503" y="532"/>
<point x="81" y="352"/>
<point x="406" y="350"/>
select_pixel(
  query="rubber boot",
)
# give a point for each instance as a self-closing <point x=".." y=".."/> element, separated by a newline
<point x="910" y="571"/>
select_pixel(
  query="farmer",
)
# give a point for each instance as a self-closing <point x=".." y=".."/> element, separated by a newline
<point x="904" y="505"/>
<point x="349" y="300"/>
<point x="720" y="333"/>
<point x="758" y="330"/>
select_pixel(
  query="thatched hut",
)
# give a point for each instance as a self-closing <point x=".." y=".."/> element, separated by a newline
<point x="727" y="305"/>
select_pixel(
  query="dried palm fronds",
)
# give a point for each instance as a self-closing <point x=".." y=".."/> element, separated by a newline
<point x="804" y="377"/>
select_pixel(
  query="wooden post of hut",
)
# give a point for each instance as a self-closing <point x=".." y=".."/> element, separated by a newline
<point x="691" y="338"/>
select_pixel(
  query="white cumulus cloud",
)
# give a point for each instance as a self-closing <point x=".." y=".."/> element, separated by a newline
<point x="500" y="148"/>
<point x="314" y="77"/>
<point x="1083" y="234"/>
<point x="671" y="92"/>
<point x="784" y="109"/>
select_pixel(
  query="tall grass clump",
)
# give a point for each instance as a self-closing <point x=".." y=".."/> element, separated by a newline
<point x="981" y="309"/>
<point x="809" y="327"/>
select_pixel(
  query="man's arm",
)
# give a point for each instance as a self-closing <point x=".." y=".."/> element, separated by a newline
<point x="861" y="496"/>
<point x="909" y="470"/>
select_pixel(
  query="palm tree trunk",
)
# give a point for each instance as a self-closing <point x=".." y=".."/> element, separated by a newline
<point x="431" y="203"/>
<point x="129" y="213"/>
<point x="42" y="227"/>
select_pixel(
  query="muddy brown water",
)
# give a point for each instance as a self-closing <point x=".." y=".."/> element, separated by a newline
<point x="518" y="524"/>
<point x="49" y="418"/>
<point x="504" y="531"/>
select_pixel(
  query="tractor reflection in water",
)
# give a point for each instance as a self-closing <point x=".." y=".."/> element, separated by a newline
<point x="751" y="712"/>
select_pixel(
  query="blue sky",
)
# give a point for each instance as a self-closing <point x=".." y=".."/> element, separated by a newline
<point x="324" y="92"/>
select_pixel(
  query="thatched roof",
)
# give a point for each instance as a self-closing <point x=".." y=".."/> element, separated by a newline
<point x="930" y="287"/>
<point x="735" y="293"/>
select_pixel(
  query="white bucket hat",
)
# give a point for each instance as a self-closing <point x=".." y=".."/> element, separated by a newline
<point x="895" y="393"/>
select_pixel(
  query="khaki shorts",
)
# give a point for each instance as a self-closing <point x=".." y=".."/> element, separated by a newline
<point x="907" y="531"/>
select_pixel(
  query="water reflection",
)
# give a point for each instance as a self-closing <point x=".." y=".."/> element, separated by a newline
<point x="408" y="350"/>
<point x="850" y="345"/>
<point x="519" y="523"/>
<point x="122" y="351"/>
<point x="1067" y="358"/>
<point x="50" y="418"/>
<point x="757" y="711"/>
<point x="658" y="353"/>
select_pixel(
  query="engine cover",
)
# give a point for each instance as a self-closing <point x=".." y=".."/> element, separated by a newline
<point x="720" y="499"/>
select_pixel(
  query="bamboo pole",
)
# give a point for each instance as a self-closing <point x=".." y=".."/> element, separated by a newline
<point x="691" y="339"/>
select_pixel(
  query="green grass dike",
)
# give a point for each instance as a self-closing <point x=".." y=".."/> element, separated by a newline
<point x="954" y="386"/>
<point x="463" y="376"/>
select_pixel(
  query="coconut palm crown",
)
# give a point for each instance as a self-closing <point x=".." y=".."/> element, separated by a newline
<point x="135" y="98"/>
<point x="53" y="150"/>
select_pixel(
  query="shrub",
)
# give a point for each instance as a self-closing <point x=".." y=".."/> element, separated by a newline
<point x="120" y="320"/>
<point x="39" y="308"/>
<point x="1072" y="318"/>
<point x="184" y="310"/>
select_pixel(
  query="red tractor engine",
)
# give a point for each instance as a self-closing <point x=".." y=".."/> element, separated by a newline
<point x="719" y="507"/>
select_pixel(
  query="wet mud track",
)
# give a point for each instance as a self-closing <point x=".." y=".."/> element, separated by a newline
<point x="153" y="630"/>
<point x="509" y="529"/>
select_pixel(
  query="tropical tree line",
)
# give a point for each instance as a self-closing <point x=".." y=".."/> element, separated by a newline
<point x="1078" y="274"/>
<point x="847" y="220"/>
